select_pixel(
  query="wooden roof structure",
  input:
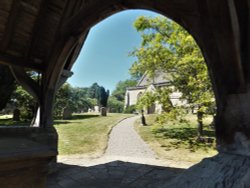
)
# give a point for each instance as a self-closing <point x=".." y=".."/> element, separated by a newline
<point x="47" y="35"/>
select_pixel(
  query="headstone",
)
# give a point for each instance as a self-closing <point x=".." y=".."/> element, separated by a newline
<point x="96" y="109"/>
<point x="16" y="115"/>
<point x="67" y="113"/>
<point x="103" y="111"/>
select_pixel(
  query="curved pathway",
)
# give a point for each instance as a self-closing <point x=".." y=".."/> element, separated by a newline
<point x="127" y="163"/>
<point x="124" y="141"/>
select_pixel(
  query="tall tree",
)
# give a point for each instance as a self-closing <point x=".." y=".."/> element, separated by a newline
<point x="93" y="91"/>
<point x="103" y="96"/>
<point x="115" y="105"/>
<point x="167" y="46"/>
<point x="74" y="98"/>
<point x="7" y="85"/>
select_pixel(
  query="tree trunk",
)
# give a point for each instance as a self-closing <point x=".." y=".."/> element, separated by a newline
<point x="200" y="123"/>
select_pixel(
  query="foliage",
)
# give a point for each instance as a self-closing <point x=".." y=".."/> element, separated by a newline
<point x="166" y="46"/>
<point x="7" y="85"/>
<point x="92" y="91"/>
<point x="163" y="98"/>
<point x="176" y="114"/>
<point x="130" y="109"/>
<point x="120" y="90"/>
<point x="146" y="100"/>
<point x="102" y="97"/>
<point x="63" y="99"/>
<point x="161" y="95"/>
<point x="74" y="98"/>
<point x="24" y="102"/>
<point x="79" y="99"/>
<point x="170" y="48"/>
<point x="115" y="105"/>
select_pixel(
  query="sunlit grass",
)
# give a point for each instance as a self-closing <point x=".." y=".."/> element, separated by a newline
<point x="6" y="120"/>
<point x="178" y="141"/>
<point x="86" y="133"/>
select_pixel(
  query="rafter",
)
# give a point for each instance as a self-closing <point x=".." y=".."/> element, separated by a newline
<point x="85" y="19"/>
<point x="37" y="25"/>
<point x="26" y="82"/>
<point x="227" y="36"/>
<point x="20" y="62"/>
<point x="10" y="25"/>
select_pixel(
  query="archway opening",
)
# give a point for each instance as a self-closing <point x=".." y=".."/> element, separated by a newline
<point x="160" y="130"/>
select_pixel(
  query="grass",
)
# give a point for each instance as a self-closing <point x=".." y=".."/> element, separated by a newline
<point x="6" y="120"/>
<point x="178" y="141"/>
<point x="86" y="133"/>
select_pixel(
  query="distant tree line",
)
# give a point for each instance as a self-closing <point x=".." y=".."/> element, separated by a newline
<point x="78" y="99"/>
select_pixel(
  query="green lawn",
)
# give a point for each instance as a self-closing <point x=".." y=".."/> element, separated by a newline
<point x="6" y="120"/>
<point x="86" y="133"/>
<point x="178" y="141"/>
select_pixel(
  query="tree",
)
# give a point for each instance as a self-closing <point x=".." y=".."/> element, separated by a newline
<point x="120" y="90"/>
<point x="7" y="85"/>
<point x="103" y="97"/>
<point x="146" y="101"/>
<point x="80" y="99"/>
<point x="115" y="105"/>
<point x="63" y="99"/>
<point x="103" y="100"/>
<point x="168" y="47"/>
<point x="93" y="90"/>
<point x="24" y="102"/>
<point x="74" y="98"/>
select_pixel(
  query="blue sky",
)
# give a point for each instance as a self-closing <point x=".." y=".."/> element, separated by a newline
<point x="104" y="57"/>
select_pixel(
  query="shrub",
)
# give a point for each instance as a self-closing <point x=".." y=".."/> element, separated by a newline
<point x="130" y="109"/>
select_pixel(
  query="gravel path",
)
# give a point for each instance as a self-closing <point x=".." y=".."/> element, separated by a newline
<point x="124" y="141"/>
<point x="127" y="163"/>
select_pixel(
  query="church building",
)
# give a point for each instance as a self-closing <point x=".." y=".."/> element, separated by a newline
<point x="148" y="84"/>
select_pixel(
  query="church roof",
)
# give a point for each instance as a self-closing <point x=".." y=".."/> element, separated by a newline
<point x="160" y="77"/>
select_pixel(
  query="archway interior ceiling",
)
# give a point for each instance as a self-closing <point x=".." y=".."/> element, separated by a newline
<point x="43" y="34"/>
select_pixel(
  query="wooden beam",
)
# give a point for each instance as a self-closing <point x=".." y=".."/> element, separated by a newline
<point x="20" y="62"/>
<point x="77" y="50"/>
<point x="36" y="27"/>
<point x="15" y="7"/>
<point x="26" y="82"/>
<point x="86" y="17"/>
<point x="225" y="26"/>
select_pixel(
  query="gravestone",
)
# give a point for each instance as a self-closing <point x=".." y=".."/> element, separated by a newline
<point x="67" y="113"/>
<point x="103" y="111"/>
<point x="16" y="115"/>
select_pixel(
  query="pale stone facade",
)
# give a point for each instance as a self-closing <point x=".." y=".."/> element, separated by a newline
<point x="147" y="84"/>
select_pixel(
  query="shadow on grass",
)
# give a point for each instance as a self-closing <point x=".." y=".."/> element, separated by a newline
<point x="83" y="116"/>
<point x="10" y="122"/>
<point x="74" y="117"/>
<point x="186" y="137"/>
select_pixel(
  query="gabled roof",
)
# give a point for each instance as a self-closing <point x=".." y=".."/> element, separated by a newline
<point x="160" y="77"/>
